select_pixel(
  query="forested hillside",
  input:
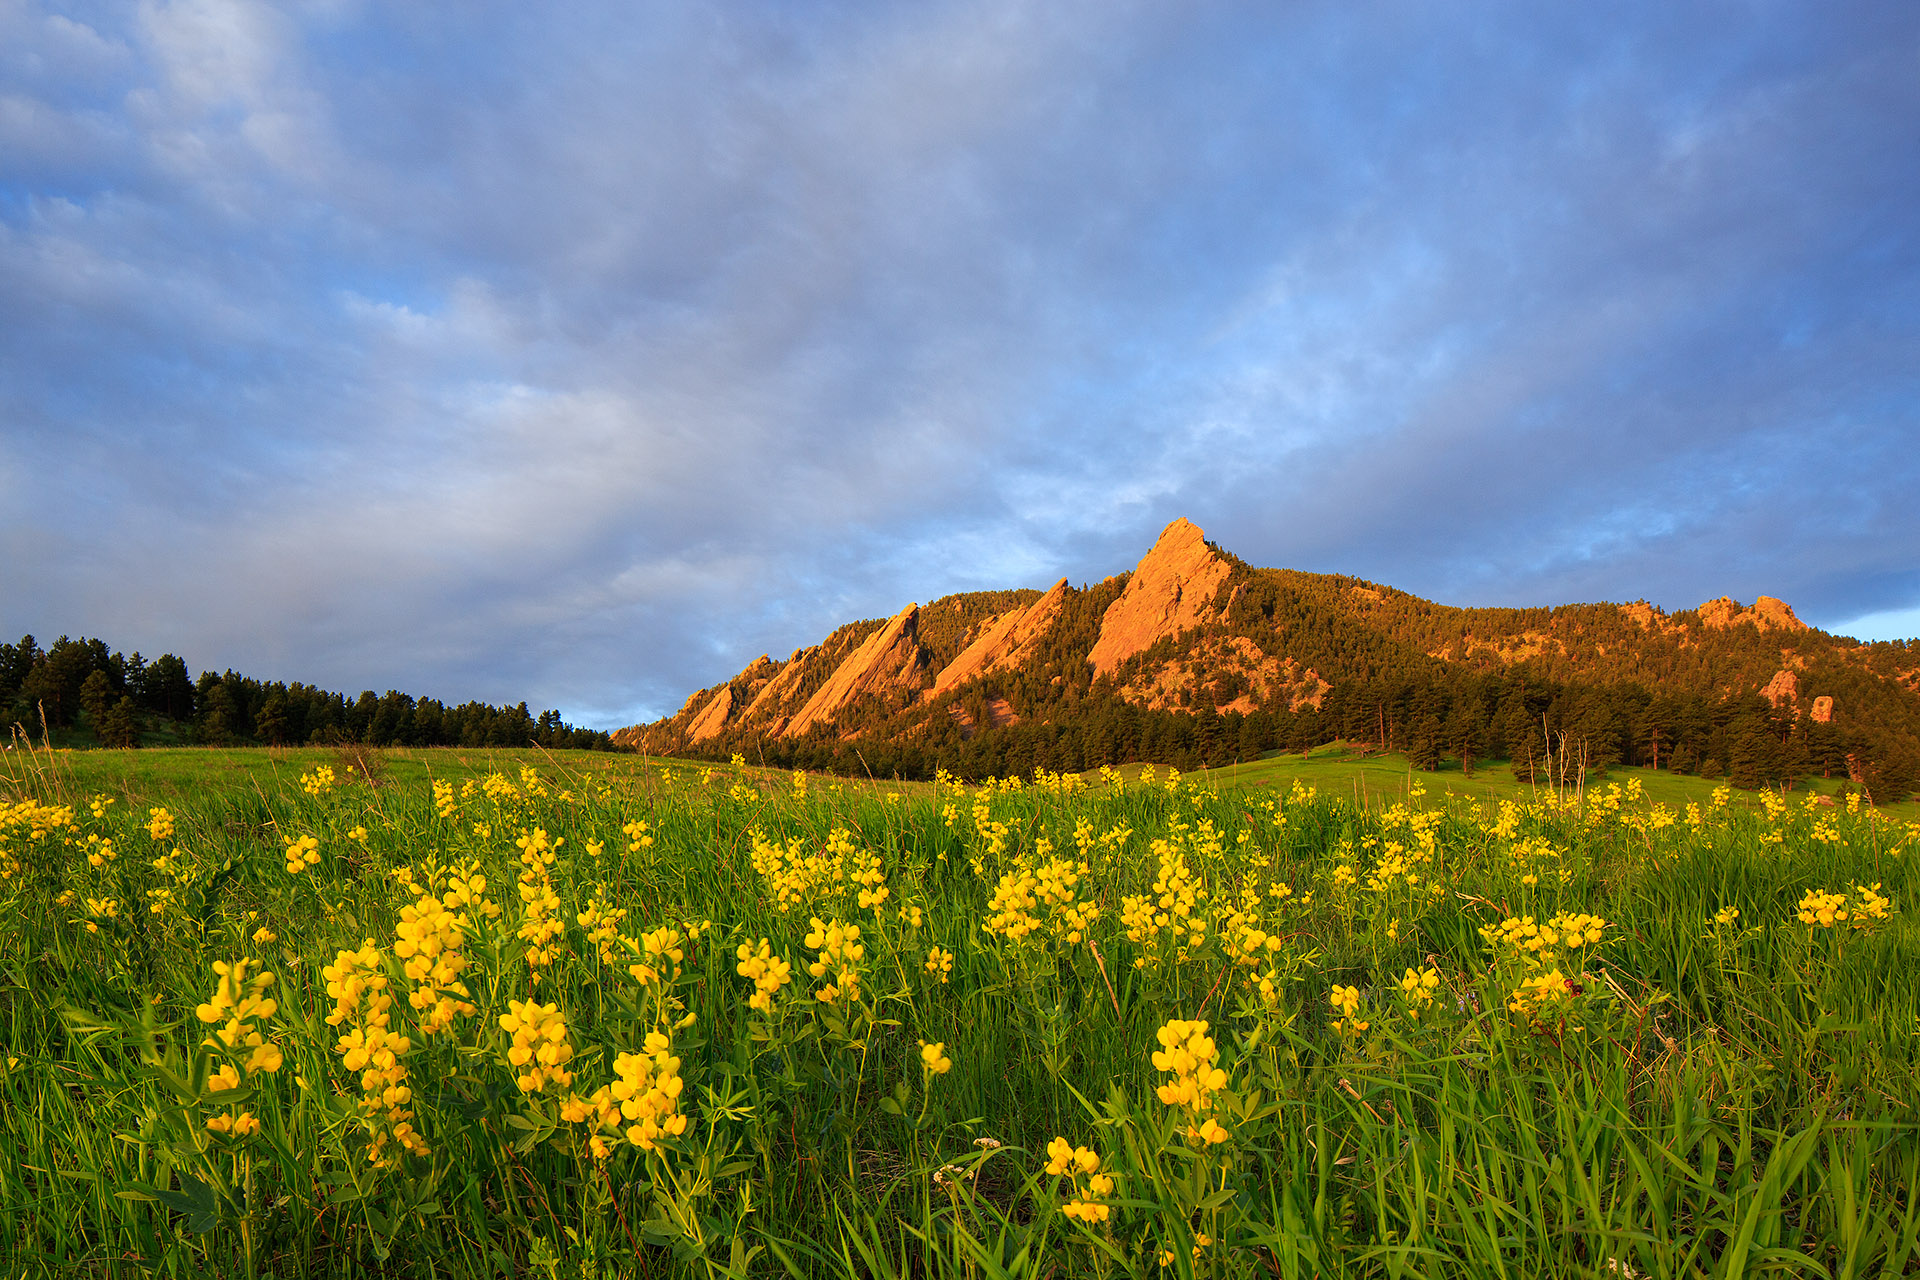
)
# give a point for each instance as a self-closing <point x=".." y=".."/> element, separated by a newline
<point x="1197" y="658"/>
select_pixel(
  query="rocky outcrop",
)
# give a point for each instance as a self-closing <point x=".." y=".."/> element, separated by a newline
<point x="773" y="696"/>
<point x="1233" y="666"/>
<point x="1168" y="593"/>
<point x="1005" y="642"/>
<point x="1767" y="614"/>
<point x="1782" y="690"/>
<point x="1822" y="710"/>
<point x="890" y="660"/>
<point x="1771" y="614"/>
<point x="713" y="717"/>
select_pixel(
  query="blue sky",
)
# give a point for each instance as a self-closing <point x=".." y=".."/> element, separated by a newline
<point x="481" y="352"/>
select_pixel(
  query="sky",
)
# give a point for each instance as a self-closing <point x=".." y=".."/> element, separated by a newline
<point x="580" y="354"/>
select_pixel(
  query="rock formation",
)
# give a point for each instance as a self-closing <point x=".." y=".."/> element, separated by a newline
<point x="1767" y="614"/>
<point x="770" y="698"/>
<point x="1782" y="690"/>
<point x="1168" y="593"/>
<point x="889" y="660"/>
<point x="1195" y="679"/>
<point x="1822" y="712"/>
<point x="1005" y="642"/>
<point x="713" y="717"/>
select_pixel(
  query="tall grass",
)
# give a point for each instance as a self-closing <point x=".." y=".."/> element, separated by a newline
<point x="1703" y="1093"/>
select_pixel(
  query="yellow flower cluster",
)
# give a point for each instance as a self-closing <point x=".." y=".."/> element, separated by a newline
<point x="602" y="924"/>
<point x="869" y="880"/>
<point x="100" y="850"/>
<point x="159" y="824"/>
<point x="660" y="949"/>
<point x="767" y="971"/>
<point x="100" y="909"/>
<point x="840" y="953"/>
<point x="1010" y="911"/>
<point x="1822" y="908"/>
<point x="639" y="835"/>
<point x="1177" y="904"/>
<point x="371" y="1049"/>
<point x="933" y="1058"/>
<point x="444" y="802"/>
<point x="237" y="1003"/>
<point x="1867" y="910"/>
<point x="1417" y="988"/>
<point x="1082" y="1164"/>
<point x="302" y="852"/>
<point x="540" y="1050"/>
<point x="541" y="922"/>
<point x="1540" y="943"/>
<point x="238" y="1123"/>
<point x="431" y="941"/>
<point x="648" y="1092"/>
<point x="796" y="878"/>
<point x="319" y="781"/>
<point x="1189" y="1054"/>
<point x="239" y="1008"/>
<point x="1347" y="1001"/>
<point x="1541" y="993"/>
<point x="939" y="962"/>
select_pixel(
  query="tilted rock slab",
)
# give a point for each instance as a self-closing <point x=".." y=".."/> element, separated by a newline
<point x="1168" y="593"/>
<point x="713" y="717"/>
<point x="1005" y="642"/>
<point x="888" y="660"/>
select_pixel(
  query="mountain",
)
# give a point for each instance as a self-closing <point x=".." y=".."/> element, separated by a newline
<point x="1197" y="656"/>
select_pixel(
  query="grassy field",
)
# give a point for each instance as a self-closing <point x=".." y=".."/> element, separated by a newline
<point x="447" y="1013"/>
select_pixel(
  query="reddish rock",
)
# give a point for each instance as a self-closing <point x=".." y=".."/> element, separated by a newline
<point x="713" y="717"/>
<point x="888" y="660"/>
<point x="1168" y="593"/>
<point x="775" y="692"/>
<point x="1720" y="613"/>
<point x="1782" y="690"/>
<point x="1822" y="711"/>
<point x="1005" y="642"/>
<point x="1767" y="614"/>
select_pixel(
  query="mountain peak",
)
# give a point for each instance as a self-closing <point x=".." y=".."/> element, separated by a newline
<point x="1168" y="593"/>
<point x="1766" y="614"/>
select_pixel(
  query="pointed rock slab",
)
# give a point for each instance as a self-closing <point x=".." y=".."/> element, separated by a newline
<point x="713" y="717"/>
<point x="889" y="659"/>
<point x="1006" y="641"/>
<point x="1168" y="593"/>
<point x="770" y="699"/>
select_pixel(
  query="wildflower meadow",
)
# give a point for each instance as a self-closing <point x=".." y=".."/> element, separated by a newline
<point x="527" y="1016"/>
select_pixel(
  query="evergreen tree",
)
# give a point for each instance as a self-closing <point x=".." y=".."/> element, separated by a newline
<point x="119" y="725"/>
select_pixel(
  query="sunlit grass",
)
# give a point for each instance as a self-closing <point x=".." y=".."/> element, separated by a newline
<point x="593" y="1015"/>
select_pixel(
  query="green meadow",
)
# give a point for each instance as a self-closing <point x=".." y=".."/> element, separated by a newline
<point x="449" y="1013"/>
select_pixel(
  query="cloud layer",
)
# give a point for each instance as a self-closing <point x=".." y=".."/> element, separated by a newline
<point x="480" y="353"/>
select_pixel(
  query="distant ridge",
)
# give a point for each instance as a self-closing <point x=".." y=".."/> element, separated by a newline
<point x="1196" y="655"/>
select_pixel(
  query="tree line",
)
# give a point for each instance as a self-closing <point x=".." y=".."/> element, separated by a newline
<point x="123" y="700"/>
<point x="1542" y="731"/>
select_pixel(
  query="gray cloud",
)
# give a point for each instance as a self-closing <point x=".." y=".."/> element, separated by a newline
<point x="487" y="355"/>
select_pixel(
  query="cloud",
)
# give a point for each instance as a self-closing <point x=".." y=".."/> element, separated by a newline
<point x="483" y="353"/>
